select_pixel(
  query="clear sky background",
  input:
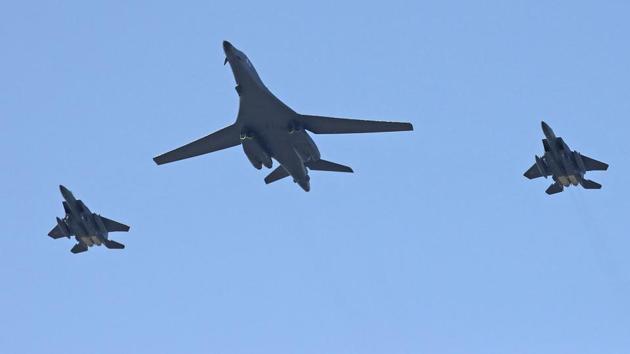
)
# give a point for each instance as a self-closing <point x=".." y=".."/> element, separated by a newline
<point x="437" y="244"/>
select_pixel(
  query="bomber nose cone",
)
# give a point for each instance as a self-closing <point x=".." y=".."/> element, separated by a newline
<point x="227" y="46"/>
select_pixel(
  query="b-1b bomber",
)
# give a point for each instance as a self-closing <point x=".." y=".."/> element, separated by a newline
<point x="88" y="228"/>
<point x="565" y="166"/>
<point x="268" y="129"/>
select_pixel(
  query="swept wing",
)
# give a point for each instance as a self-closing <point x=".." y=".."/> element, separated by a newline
<point x="330" y="125"/>
<point x="219" y="140"/>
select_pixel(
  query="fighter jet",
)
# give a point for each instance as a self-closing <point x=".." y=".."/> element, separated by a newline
<point x="566" y="167"/>
<point x="88" y="228"/>
<point x="268" y="129"/>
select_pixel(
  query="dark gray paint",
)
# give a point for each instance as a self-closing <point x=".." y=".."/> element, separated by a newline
<point x="566" y="167"/>
<point x="266" y="128"/>
<point x="88" y="228"/>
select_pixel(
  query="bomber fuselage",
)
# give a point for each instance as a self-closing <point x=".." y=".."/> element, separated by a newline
<point x="276" y="134"/>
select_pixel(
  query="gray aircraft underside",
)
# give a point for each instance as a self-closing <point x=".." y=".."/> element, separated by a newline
<point x="88" y="228"/>
<point x="566" y="167"/>
<point x="268" y="129"/>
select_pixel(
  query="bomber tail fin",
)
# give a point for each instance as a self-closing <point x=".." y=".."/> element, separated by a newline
<point x="588" y="184"/>
<point x="277" y="174"/>
<point x="554" y="188"/>
<point x="319" y="165"/>
<point x="113" y="245"/>
<point x="323" y="165"/>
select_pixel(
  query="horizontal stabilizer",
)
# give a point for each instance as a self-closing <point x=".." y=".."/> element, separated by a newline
<point x="79" y="247"/>
<point x="554" y="188"/>
<point x="113" y="226"/>
<point x="219" y="140"/>
<point x="323" y="165"/>
<point x="594" y="165"/>
<point x="329" y="125"/>
<point x="113" y="245"/>
<point x="277" y="174"/>
<point x="588" y="184"/>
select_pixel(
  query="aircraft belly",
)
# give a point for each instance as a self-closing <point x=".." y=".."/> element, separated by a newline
<point x="262" y="116"/>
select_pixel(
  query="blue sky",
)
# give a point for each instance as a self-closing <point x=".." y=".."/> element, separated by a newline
<point x="437" y="244"/>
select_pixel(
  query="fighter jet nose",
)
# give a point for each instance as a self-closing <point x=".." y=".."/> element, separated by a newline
<point x="62" y="188"/>
<point x="546" y="128"/>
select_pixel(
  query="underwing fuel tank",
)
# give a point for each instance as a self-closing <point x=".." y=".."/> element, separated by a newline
<point x="255" y="152"/>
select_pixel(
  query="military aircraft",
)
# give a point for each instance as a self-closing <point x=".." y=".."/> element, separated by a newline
<point x="566" y="167"/>
<point x="268" y="129"/>
<point x="88" y="228"/>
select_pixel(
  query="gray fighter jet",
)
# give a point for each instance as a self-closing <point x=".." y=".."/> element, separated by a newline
<point x="566" y="167"/>
<point x="268" y="129"/>
<point x="88" y="228"/>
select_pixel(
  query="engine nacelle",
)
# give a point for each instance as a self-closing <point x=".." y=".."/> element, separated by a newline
<point x="255" y="153"/>
<point x="294" y="127"/>
<point x="247" y="134"/>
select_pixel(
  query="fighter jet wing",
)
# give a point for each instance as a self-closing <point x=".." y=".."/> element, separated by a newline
<point x="594" y="165"/>
<point x="533" y="172"/>
<point x="330" y="125"/>
<point x="219" y="140"/>
<point x="56" y="233"/>
<point x="113" y="226"/>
